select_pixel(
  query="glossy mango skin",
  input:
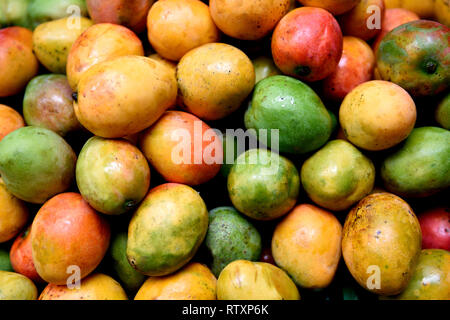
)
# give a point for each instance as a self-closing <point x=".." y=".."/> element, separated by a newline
<point x="442" y="113"/>
<point x="355" y="22"/>
<point x="48" y="103"/>
<point x="165" y="144"/>
<point x="334" y="6"/>
<point x="442" y="11"/>
<point x="130" y="277"/>
<point x="416" y="56"/>
<point x="307" y="44"/>
<point x="175" y="27"/>
<point x="142" y="90"/>
<point x="129" y="13"/>
<point x="231" y="237"/>
<point x="14" y="286"/>
<point x="167" y="229"/>
<point x="41" y="11"/>
<point x="338" y="175"/>
<point x="94" y="287"/>
<point x="294" y="109"/>
<point x="392" y="19"/>
<point x="22" y="258"/>
<point x="382" y="231"/>
<point x="307" y="245"/>
<point x="67" y="231"/>
<point x="18" y="64"/>
<point x="13" y="216"/>
<point x="376" y="124"/>
<point x="214" y="79"/>
<point x="263" y="185"/>
<point x="36" y="163"/>
<point x="355" y="67"/>
<point x="431" y="278"/>
<point x="52" y="42"/>
<point x="113" y="176"/>
<point x="99" y="43"/>
<point x="246" y="280"/>
<point x="248" y="20"/>
<point x="10" y="120"/>
<point x="427" y="148"/>
<point x="193" y="282"/>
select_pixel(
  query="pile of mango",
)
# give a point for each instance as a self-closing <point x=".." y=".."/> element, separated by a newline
<point x="224" y="149"/>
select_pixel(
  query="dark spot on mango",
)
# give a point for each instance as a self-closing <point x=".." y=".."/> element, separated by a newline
<point x="302" y="71"/>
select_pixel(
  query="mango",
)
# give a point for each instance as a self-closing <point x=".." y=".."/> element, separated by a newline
<point x="167" y="229"/>
<point x="214" y="80"/>
<point x="48" y="103"/>
<point x="143" y="89"/>
<point x="41" y="11"/>
<point x="307" y="245"/>
<point x="264" y="68"/>
<point x="231" y="237"/>
<point x="442" y="113"/>
<point x="442" y="11"/>
<point x="175" y="27"/>
<point x="14" y="286"/>
<point x="246" y="280"/>
<point x="307" y="44"/>
<point x="334" y="6"/>
<point x="193" y="282"/>
<point x="130" y="277"/>
<point x="376" y="124"/>
<point x="18" y="64"/>
<point x="423" y="8"/>
<point x="113" y="176"/>
<point x="22" y="257"/>
<point x="95" y="287"/>
<point x="129" y="13"/>
<point x="421" y="166"/>
<point x="338" y="175"/>
<point x="99" y="43"/>
<point x="182" y="148"/>
<point x="10" y="120"/>
<point x="431" y="278"/>
<point x="248" y="20"/>
<point x="381" y="243"/>
<point x="416" y="56"/>
<point x="13" y="215"/>
<point x="14" y="13"/>
<point x="292" y="107"/>
<point x="52" y="42"/>
<point x="263" y="185"/>
<point x="361" y="21"/>
<point x="67" y="232"/>
<point x="36" y="163"/>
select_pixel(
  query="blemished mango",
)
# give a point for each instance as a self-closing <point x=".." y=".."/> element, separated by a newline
<point x="381" y="243"/>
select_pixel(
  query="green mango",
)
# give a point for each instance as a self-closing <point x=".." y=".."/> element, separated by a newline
<point x="130" y="278"/>
<point x="5" y="263"/>
<point x="442" y="114"/>
<point x="421" y="166"/>
<point x="289" y="105"/>
<point x="41" y="11"/>
<point x="431" y="278"/>
<point x="263" y="185"/>
<point x="14" y="286"/>
<point x="338" y="175"/>
<point x="231" y="237"/>
<point x="14" y="13"/>
<point x="167" y="229"/>
<point x="36" y="163"/>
